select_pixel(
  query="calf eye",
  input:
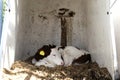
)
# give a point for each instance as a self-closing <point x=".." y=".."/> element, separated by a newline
<point x="54" y="55"/>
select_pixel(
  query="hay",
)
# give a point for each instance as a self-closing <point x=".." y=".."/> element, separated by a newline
<point x="22" y="70"/>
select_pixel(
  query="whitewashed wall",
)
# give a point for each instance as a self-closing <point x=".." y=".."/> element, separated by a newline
<point x="22" y="23"/>
<point x="116" y="24"/>
<point x="99" y="33"/>
<point x="35" y="31"/>
<point x="8" y="39"/>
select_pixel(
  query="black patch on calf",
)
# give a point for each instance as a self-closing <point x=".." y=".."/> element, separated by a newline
<point x="51" y="46"/>
<point x="47" y="51"/>
<point x="83" y="59"/>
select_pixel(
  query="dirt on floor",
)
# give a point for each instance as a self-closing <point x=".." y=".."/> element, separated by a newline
<point x="24" y="70"/>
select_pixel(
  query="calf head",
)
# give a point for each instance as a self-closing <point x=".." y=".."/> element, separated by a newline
<point x="51" y="53"/>
<point x="55" y="57"/>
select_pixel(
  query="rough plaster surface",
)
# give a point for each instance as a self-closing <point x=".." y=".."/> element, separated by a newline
<point x="39" y="25"/>
<point x="99" y="33"/>
<point x="22" y="24"/>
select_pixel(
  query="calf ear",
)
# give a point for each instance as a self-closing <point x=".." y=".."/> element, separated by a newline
<point x="39" y="55"/>
<point x="42" y="53"/>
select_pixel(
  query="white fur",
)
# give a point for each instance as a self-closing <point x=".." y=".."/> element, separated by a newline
<point x="70" y="53"/>
<point x="55" y="57"/>
<point x="44" y="62"/>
